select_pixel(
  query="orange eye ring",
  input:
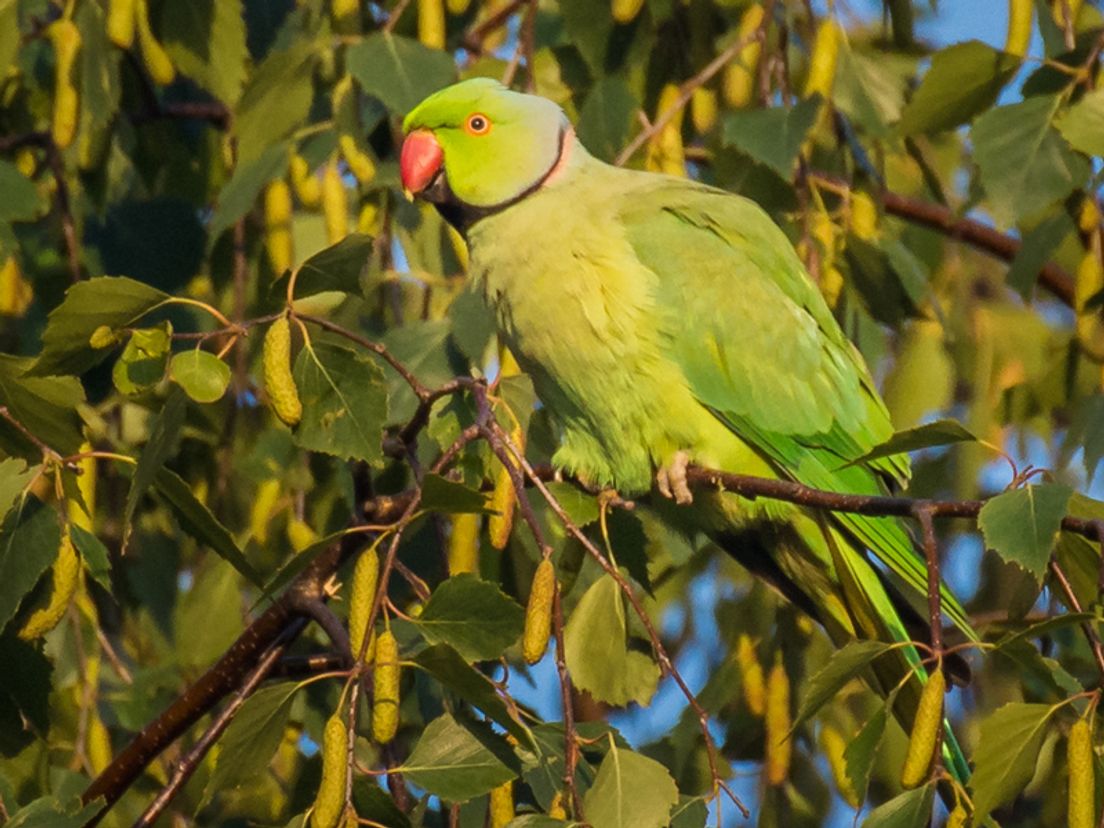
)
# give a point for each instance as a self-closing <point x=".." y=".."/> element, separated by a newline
<point x="477" y="124"/>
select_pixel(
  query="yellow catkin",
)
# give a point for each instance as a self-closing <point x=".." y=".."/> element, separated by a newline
<point x="740" y="76"/>
<point x="431" y="23"/>
<point x="360" y="162"/>
<point x="15" y="291"/>
<point x="538" y="612"/>
<point x="504" y="499"/>
<point x="666" y="153"/>
<point x="345" y="15"/>
<point x="1088" y="216"/>
<point x="307" y="187"/>
<point x="957" y="818"/>
<point x="277" y="223"/>
<point x="864" y="216"/>
<point x="1088" y="283"/>
<point x="66" y="41"/>
<point x="823" y="60"/>
<point x="556" y="808"/>
<point x="300" y="535"/>
<point x="1058" y="11"/>
<point x="703" y="109"/>
<point x="283" y="395"/>
<point x="1082" y="782"/>
<point x="121" y="17"/>
<point x="625" y="11"/>
<point x="1019" y="26"/>
<point x="26" y="162"/>
<point x="368" y="221"/>
<point x="362" y="593"/>
<point x="925" y="730"/>
<point x="500" y="808"/>
<point x="64" y="580"/>
<point x="778" y="747"/>
<point x="751" y="676"/>
<point x="97" y="745"/>
<point x="86" y="485"/>
<point x="463" y="546"/>
<point x="154" y="56"/>
<point x="329" y="804"/>
<point x="260" y="511"/>
<point x="385" y="710"/>
<point x="335" y="207"/>
<point x="458" y="6"/>
<point x="832" y="744"/>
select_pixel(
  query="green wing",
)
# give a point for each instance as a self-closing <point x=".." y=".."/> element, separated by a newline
<point x="759" y="346"/>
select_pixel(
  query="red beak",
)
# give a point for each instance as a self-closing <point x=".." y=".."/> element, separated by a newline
<point x="420" y="160"/>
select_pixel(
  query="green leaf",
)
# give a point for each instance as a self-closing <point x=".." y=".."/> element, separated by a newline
<point x="473" y="616"/>
<point x="1008" y="747"/>
<point x="203" y="376"/>
<point x="206" y="41"/>
<point x="439" y="494"/>
<point x="248" y="745"/>
<point x="48" y="812"/>
<point x="459" y="759"/>
<point x="344" y="403"/>
<point x="929" y="435"/>
<point x="21" y="201"/>
<point x="1025" y="164"/>
<point x="845" y="665"/>
<point x="867" y="93"/>
<point x="100" y="86"/>
<point x="45" y="406"/>
<point x="276" y="100"/>
<point x="1022" y="525"/>
<point x="142" y="363"/>
<point x="374" y="803"/>
<point x="1038" y="245"/>
<point x="397" y="70"/>
<point x="29" y="538"/>
<point x="912" y="809"/>
<point x="631" y="791"/>
<point x="772" y="136"/>
<point x="858" y="756"/>
<point x="1087" y="432"/>
<point x="24" y="694"/>
<point x="690" y="812"/>
<point x="607" y="117"/>
<point x="161" y="444"/>
<point x="338" y="267"/>
<point x="1083" y="124"/>
<point x="452" y="671"/>
<point x="581" y="507"/>
<point x="600" y="655"/>
<point x="97" y="560"/>
<point x="536" y="821"/>
<point x="213" y="606"/>
<point x="198" y="521"/>
<point x="14" y="477"/>
<point x="114" y="301"/>
<point x="964" y="79"/>
<point x="240" y="193"/>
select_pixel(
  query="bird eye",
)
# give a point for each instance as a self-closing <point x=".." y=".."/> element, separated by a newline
<point x="477" y="124"/>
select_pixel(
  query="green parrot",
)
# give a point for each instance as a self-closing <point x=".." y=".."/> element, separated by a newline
<point x="666" y="322"/>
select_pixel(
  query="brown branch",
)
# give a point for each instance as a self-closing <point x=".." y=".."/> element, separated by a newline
<point x="931" y="552"/>
<point x="185" y="767"/>
<point x="473" y="40"/>
<point x="227" y="673"/>
<point x="65" y="211"/>
<point x="394" y="16"/>
<point x="939" y="217"/>
<point x="8" y="143"/>
<point x="1075" y="605"/>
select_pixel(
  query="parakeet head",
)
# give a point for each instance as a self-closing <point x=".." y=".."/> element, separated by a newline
<point x="475" y="147"/>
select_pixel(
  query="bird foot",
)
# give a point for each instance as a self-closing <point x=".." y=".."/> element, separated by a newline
<point x="671" y="479"/>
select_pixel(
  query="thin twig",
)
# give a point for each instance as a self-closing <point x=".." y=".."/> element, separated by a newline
<point x="187" y="765"/>
<point x="473" y="40"/>
<point x="1075" y="605"/>
<point x="686" y="91"/>
<point x="923" y="515"/>
<point x="65" y="211"/>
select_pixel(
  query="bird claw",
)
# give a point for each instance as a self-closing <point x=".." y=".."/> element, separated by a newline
<point x="671" y="479"/>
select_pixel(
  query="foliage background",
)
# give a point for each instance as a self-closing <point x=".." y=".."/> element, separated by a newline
<point x="189" y="171"/>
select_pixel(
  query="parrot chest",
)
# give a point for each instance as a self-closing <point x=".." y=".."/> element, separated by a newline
<point x="576" y="308"/>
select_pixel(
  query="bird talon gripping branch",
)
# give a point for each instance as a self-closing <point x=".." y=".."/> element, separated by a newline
<point x="671" y="480"/>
